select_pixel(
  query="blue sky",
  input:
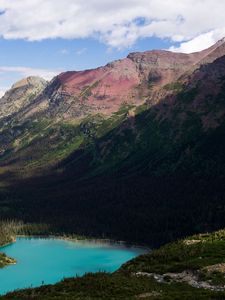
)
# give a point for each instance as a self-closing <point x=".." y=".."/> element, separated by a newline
<point x="45" y="37"/>
<point x="65" y="54"/>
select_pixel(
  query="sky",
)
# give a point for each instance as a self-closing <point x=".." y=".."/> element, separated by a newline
<point x="46" y="37"/>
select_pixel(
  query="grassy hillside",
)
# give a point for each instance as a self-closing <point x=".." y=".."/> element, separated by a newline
<point x="36" y="146"/>
<point x="199" y="261"/>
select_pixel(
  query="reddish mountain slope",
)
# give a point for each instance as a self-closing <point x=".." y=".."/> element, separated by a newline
<point x="133" y="80"/>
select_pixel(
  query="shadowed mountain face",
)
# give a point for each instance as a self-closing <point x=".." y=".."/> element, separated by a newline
<point x="133" y="150"/>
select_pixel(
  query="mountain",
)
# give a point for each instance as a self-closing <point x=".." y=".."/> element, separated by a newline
<point x="133" y="150"/>
<point x="32" y="112"/>
<point x="132" y="80"/>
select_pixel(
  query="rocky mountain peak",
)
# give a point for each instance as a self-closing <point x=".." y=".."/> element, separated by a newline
<point x="21" y="94"/>
<point x="30" y="81"/>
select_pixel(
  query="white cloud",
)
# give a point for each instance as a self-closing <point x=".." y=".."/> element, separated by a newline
<point x="193" y="23"/>
<point x="25" y="72"/>
<point x="81" y="51"/>
<point x="64" y="51"/>
<point x="200" y="42"/>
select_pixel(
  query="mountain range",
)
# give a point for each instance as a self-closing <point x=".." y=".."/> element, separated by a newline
<point x="133" y="150"/>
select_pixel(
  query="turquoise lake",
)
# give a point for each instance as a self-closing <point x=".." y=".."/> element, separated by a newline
<point x="46" y="261"/>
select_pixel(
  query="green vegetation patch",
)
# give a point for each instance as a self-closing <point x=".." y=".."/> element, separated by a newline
<point x="174" y="86"/>
<point x="5" y="260"/>
<point x="181" y="255"/>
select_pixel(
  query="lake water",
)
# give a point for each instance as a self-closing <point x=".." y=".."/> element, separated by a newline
<point x="46" y="261"/>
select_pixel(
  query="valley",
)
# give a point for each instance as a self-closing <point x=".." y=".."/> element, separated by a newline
<point x="131" y="151"/>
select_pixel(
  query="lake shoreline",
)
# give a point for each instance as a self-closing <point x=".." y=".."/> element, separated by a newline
<point x="12" y="261"/>
<point x="84" y="239"/>
<point x="71" y="238"/>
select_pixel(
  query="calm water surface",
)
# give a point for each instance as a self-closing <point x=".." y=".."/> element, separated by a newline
<point x="46" y="261"/>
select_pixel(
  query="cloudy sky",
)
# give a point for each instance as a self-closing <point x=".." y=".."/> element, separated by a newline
<point x="45" y="37"/>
